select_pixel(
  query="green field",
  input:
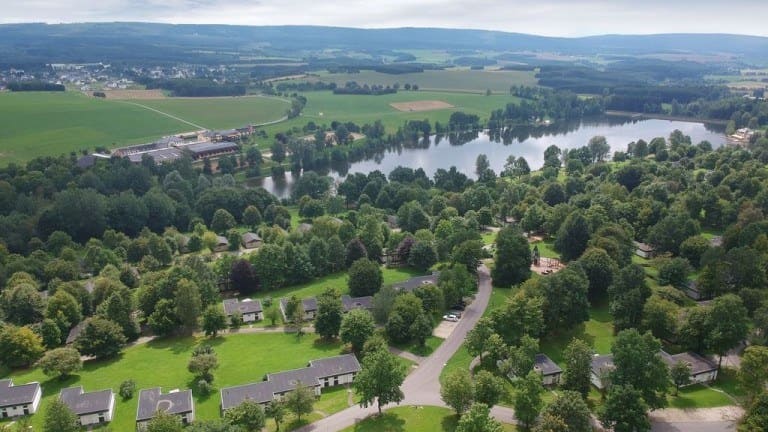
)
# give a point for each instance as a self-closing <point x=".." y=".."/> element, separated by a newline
<point x="462" y="80"/>
<point x="242" y="359"/>
<point x="422" y="419"/>
<point x="49" y="124"/>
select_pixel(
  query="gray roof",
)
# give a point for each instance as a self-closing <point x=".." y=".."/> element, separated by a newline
<point x="304" y="227"/>
<point x="545" y="365"/>
<point x="244" y="307"/>
<point x="12" y="395"/>
<point x="415" y="282"/>
<point x="212" y="147"/>
<point x="249" y="237"/>
<point x="309" y="303"/>
<point x="283" y="382"/>
<point x="86" y="403"/>
<point x="698" y="364"/>
<point x="153" y="400"/>
<point x="75" y="332"/>
<point x="221" y="240"/>
<point x="350" y="303"/>
<point x="716" y="241"/>
<point x="602" y="364"/>
<point x="643" y="246"/>
<point x="160" y="155"/>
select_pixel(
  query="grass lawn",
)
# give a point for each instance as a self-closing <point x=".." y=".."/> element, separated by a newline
<point x="422" y="419"/>
<point x="698" y="396"/>
<point x="597" y="332"/>
<point x="546" y="248"/>
<point x="242" y="358"/>
<point x="489" y="237"/>
<point x="222" y="112"/>
<point x="431" y="344"/>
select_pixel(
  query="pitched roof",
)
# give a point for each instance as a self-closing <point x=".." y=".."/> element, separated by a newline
<point x="249" y="237"/>
<point x="259" y="392"/>
<point x="205" y="147"/>
<point x="244" y="307"/>
<point x="309" y="303"/>
<point x="350" y="303"/>
<point x="82" y="403"/>
<point x="153" y="400"/>
<point x="12" y="395"/>
<point x="602" y="364"/>
<point x="643" y="246"/>
<point x="545" y="365"/>
<point x="221" y="240"/>
<point x="334" y="366"/>
<point x="75" y="332"/>
<point x="698" y="364"/>
<point x="415" y="282"/>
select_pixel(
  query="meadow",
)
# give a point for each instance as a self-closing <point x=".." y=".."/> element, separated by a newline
<point x="243" y="358"/>
<point x="223" y="112"/>
<point x="410" y="418"/>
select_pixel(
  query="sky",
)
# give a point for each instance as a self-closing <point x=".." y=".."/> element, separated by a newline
<point x="542" y="17"/>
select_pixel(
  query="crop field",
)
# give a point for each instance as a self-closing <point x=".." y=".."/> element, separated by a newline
<point x="49" y="124"/>
<point x="460" y="80"/>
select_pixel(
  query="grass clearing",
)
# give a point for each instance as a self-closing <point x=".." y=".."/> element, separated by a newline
<point x="408" y="418"/>
<point x="430" y="345"/>
<point x="597" y="332"/>
<point x="242" y="358"/>
<point x="223" y="112"/>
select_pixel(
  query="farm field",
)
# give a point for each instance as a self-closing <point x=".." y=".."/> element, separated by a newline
<point x="36" y="124"/>
<point x="243" y="358"/>
<point x="408" y="418"/>
<point x="463" y="80"/>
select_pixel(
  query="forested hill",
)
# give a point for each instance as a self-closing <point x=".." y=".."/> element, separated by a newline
<point x="89" y="42"/>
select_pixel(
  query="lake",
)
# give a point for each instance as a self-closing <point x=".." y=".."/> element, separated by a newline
<point x="530" y="143"/>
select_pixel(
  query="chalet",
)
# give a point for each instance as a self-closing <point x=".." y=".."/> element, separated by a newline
<point x="74" y="333"/>
<point x="318" y="374"/>
<point x="209" y="149"/>
<point x="90" y="408"/>
<point x="350" y="303"/>
<point x="693" y="291"/>
<point x="249" y="309"/>
<point x="703" y="370"/>
<point x="250" y="240"/>
<point x="602" y="365"/>
<point x="644" y="250"/>
<point x="19" y="400"/>
<point x="716" y="241"/>
<point x="415" y="282"/>
<point x="308" y="304"/>
<point x="175" y="402"/>
<point x="549" y="370"/>
<point x="222" y="244"/>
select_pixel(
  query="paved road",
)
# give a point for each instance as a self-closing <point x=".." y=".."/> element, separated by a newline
<point x="422" y="386"/>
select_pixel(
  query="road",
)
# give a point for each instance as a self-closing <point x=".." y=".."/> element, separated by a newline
<point x="422" y="386"/>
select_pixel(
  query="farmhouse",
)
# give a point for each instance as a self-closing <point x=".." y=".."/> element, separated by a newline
<point x="208" y="149"/>
<point x="249" y="309"/>
<point x="90" y="408"/>
<point x="702" y="369"/>
<point x="602" y="365"/>
<point x="318" y="374"/>
<point x="222" y="244"/>
<point x="644" y="250"/>
<point x="549" y="370"/>
<point x="415" y="282"/>
<point x="250" y="240"/>
<point x="175" y="402"/>
<point x="19" y="400"/>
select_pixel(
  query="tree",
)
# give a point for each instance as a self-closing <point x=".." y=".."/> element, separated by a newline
<point x="422" y="256"/>
<point x="19" y="346"/>
<point x="600" y="269"/>
<point x="566" y="303"/>
<point x="695" y="328"/>
<point x="243" y="277"/>
<point x="354" y="252"/>
<point x="59" y="418"/>
<point x="458" y="391"/>
<point x="627" y="297"/>
<point x="550" y="423"/>
<point x="118" y="308"/>
<point x="51" y="333"/>
<point x="571" y="409"/>
<point x="756" y="417"/>
<point x="188" y="303"/>
<point x="163" y="319"/>
<point x="272" y="314"/>
<point x="660" y="317"/>
<point x="270" y="266"/>
<point x="528" y="402"/>
<point x="214" y="320"/>
<point x="252" y="217"/>
<point x="599" y="148"/>
<point x="249" y="415"/>
<point x="489" y="389"/>
<point x="365" y="278"/>
<point x="468" y="254"/>
<point x="164" y="422"/>
<point x="639" y="364"/>
<point x="512" y="262"/>
<point x="329" y="314"/>
<point x="61" y="362"/>
<point x="100" y="338"/>
<point x="729" y="324"/>
<point x="22" y="304"/>
<point x="276" y="410"/>
<point x="127" y="389"/>
<point x="203" y="362"/>
<point x="578" y="367"/>
<point x="573" y="236"/>
<point x="478" y="419"/>
<point x="380" y="379"/>
<point x="521" y="358"/>
<point x="672" y="231"/>
<point x="300" y="400"/>
<point x="356" y="327"/>
<point x="680" y="373"/>
<point x="64" y="308"/>
<point x="624" y="410"/>
<point x="521" y="315"/>
<point x="674" y="272"/>
<point x="477" y="338"/>
<point x="752" y="374"/>
<point x="420" y="329"/>
<point x="222" y="221"/>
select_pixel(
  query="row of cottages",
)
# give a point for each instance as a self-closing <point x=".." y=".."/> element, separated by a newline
<point x="319" y="374"/>
<point x="309" y="305"/>
<point x="248" y="240"/>
<point x="250" y="310"/>
<point x="549" y="370"/>
<point x="175" y="402"/>
<point x="19" y="400"/>
<point x="90" y="408"/>
<point x="703" y="370"/>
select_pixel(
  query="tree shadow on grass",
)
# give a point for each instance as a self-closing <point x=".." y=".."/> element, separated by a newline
<point x="176" y="344"/>
<point x="385" y="422"/>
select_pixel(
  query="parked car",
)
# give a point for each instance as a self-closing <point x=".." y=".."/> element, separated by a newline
<point x="450" y="317"/>
<point x="455" y="313"/>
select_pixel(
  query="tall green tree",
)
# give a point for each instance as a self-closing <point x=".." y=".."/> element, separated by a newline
<point x="600" y="269"/>
<point x="729" y="324"/>
<point x="639" y="364"/>
<point x="329" y="314"/>
<point x="528" y="402"/>
<point x="59" y="418"/>
<point x="356" y="327"/>
<point x="571" y="410"/>
<point x="478" y="419"/>
<point x="19" y="346"/>
<point x="249" y="415"/>
<point x="578" y="367"/>
<point x="380" y="379"/>
<point x="458" y="391"/>
<point x="365" y="278"/>
<point x="61" y="362"/>
<point x="512" y="262"/>
<point x="573" y="236"/>
<point x="627" y="297"/>
<point x="188" y="303"/>
<point x="100" y="338"/>
<point x="566" y="303"/>
<point x="214" y="320"/>
<point x="164" y="422"/>
<point x="300" y="400"/>
<point x="489" y="388"/>
<point x="625" y="410"/>
<point x="680" y="373"/>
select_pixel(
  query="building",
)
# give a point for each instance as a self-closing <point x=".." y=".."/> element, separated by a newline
<point x="350" y="303"/>
<point x="318" y="374"/>
<point x="549" y="370"/>
<point x="692" y="290"/>
<point x="703" y="370"/>
<point x="250" y="240"/>
<point x="211" y="149"/>
<point x="222" y="244"/>
<point x="308" y="304"/>
<point x="74" y="333"/>
<point x="90" y="408"/>
<point x="304" y="228"/>
<point x="415" y="282"/>
<point x="175" y="402"/>
<point x="602" y="365"/>
<point x="19" y="400"/>
<point x="160" y="156"/>
<point x="644" y="250"/>
<point x="249" y="309"/>
<point x="716" y="241"/>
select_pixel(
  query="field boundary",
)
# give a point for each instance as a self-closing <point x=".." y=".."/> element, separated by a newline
<point x="165" y="114"/>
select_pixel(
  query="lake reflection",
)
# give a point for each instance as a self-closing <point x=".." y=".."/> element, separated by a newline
<point x="530" y="143"/>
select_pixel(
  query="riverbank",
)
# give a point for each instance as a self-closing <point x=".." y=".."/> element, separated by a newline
<point x="649" y="116"/>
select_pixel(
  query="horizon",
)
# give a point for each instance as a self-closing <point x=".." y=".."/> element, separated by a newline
<point x="549" y="18"/>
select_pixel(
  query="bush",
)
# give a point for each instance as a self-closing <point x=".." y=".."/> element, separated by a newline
<point x="127" y="389"/>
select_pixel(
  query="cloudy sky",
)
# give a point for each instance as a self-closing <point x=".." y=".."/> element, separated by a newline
<point x="545" y="17"/>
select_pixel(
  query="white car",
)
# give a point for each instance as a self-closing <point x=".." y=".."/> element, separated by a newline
<point x="451" y="317"/>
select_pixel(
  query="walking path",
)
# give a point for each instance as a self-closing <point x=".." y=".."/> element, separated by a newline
<point x="165" y="114"/>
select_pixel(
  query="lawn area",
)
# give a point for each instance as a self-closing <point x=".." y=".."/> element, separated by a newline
<point x="546" y="248"/>
<point x="489" y="237"/>
<point x="242" y="359"/>
<point x="597" y="332"/>
<point x="421" y="419"/>
<point x="698" y="396"/>
<point x="222" y="112"/>
<point x="53" y="123"/>
<point x="431" y="344"/>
